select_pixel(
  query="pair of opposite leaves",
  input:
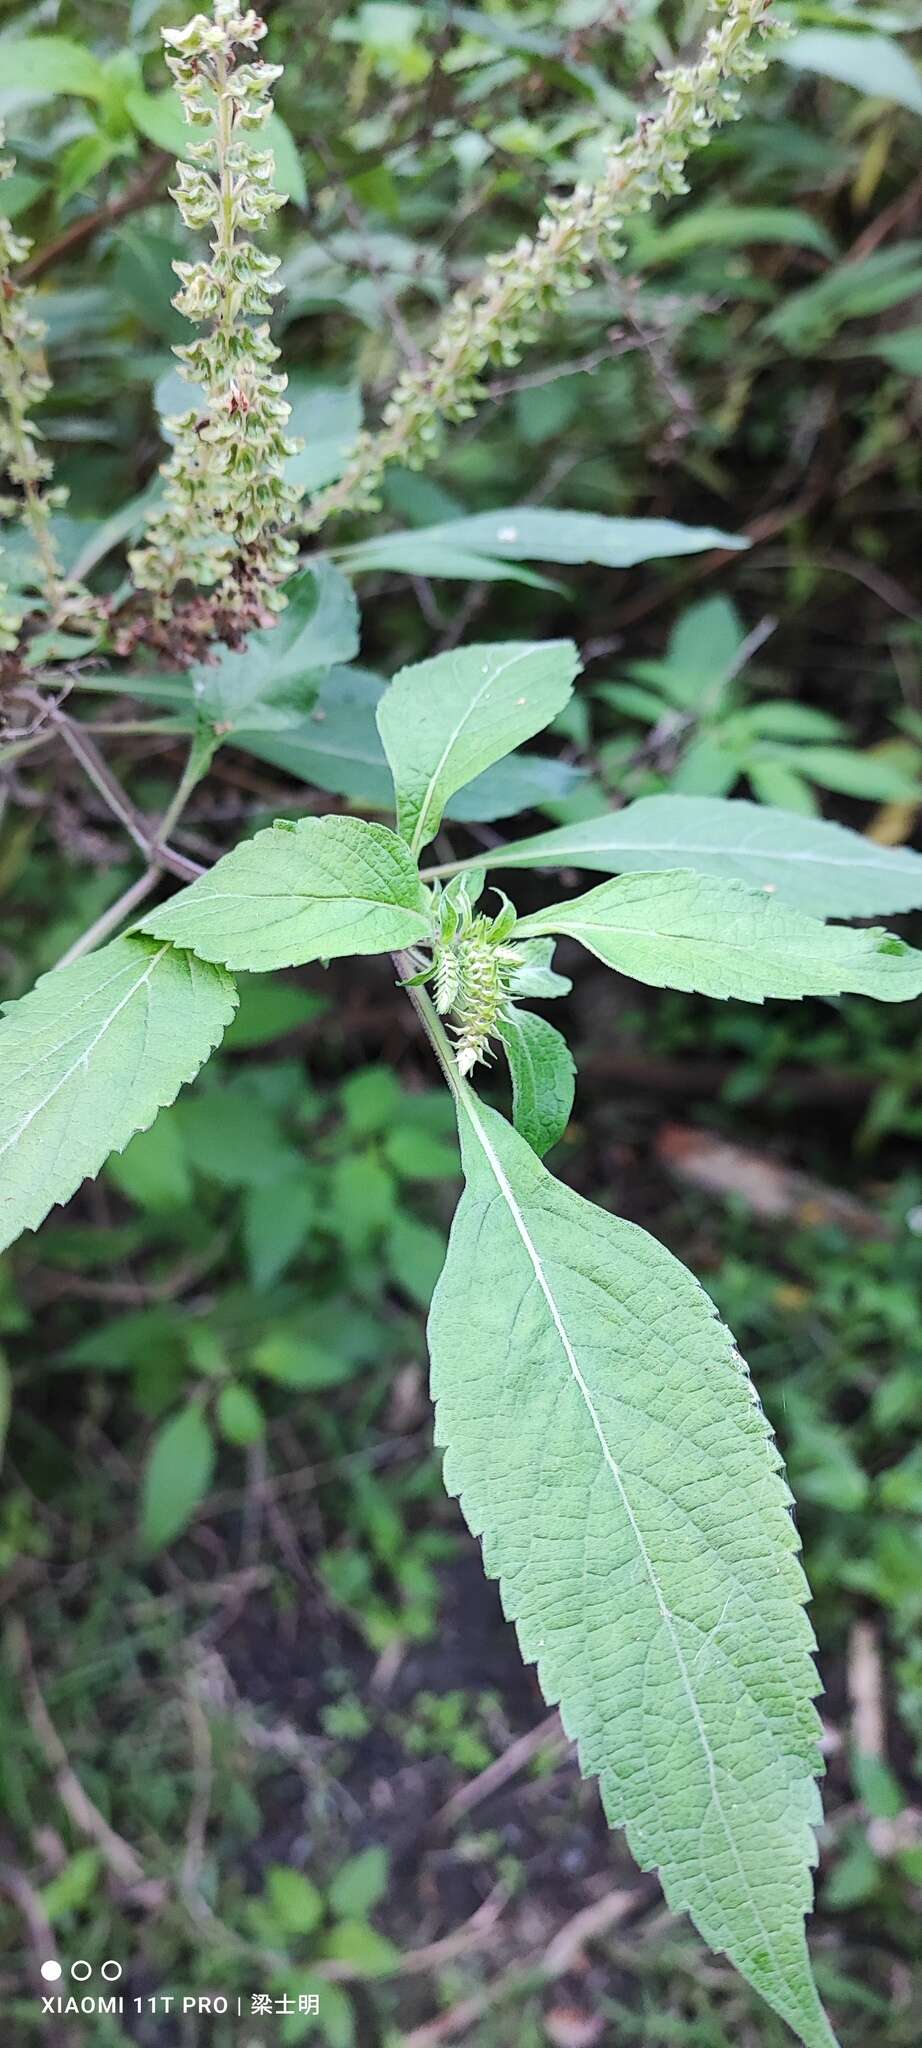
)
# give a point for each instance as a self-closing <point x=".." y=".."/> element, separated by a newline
<point x="636" y="1517"/>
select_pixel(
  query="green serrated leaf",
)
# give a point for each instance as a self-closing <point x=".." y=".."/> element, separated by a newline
<point x="819" y="866"/>
<point x="603" y="1437"/>
<point x="89" y="1058"/>
<point x="317" y="890"/>
<point x="268" y="685"/>
<point x="543" y="1078"/>
<point x="442" y="722"/>
<point x="720" y="938"/>
<point x="337" y="746"/>
<point x="177" y="1476"/>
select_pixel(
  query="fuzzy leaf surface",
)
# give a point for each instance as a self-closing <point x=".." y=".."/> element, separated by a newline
<point x="716" y="938"/>
<point x="819" y="866"/>
<point x="442" y="722"/>
<point x="606" y="1445"/>
<point x="317" y="890"/>
<point x="543" y="1078"/>
<point x="337" y="746"/>
<point x="89" y="1057"/>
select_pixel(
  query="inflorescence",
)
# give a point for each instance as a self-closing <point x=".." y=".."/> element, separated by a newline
<point x="227" y="503"/>
<point x="493" y="320"/>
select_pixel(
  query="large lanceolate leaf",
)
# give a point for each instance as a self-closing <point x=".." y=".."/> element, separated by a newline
<point x="605" y="1442"/>
<point x="312" y="891"/>
<point x="89" y="1058"/>
<point x="820" y="867"/>
<point x="688" y="931"/>
<point x="444" y="721"/>
<point x="523" y="533"/>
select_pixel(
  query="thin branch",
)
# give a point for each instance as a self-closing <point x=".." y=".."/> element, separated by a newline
<point x="117" y="1854"/>
<point x="159" y="856"/>
<point x="431" y="1022"/>
<point x="135" y="196"/>
<point x="542" y="1967"/>
<point x="548" y="1735"/>
<point x="116" y="914"/>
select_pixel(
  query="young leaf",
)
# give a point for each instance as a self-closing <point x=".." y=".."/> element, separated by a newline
<point x="543" y="1078"/>
<point x="337" y="747"/>
<point x="312" y="891"/>
<point x="240" y="1417"/>
<point x="443" y="721"/>
<point x="718" y="938"/>
<point x="177" y="1478"/>
<point x="819" y="866"/>
<point x="295" y="1903"/>
<point x="89" y="1058"/>
<point x="359" y="1884"/>
<point x="535" y="975"/>
<point x="604" y="1440"/>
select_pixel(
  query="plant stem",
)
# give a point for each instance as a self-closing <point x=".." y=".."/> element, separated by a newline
<point x="115" y="915"/>
<point x="200" y="754"/>
<point x="431" y="1023"/>
<point x="458" y="867"/>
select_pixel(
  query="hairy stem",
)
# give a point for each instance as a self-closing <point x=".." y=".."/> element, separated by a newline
<point x="431" y="1023"/>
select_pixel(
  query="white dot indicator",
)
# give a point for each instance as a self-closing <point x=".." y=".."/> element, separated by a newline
<point x="112" y="1972"/>
<point x="81" y="1970"/>
<point x="51" y="1972"/>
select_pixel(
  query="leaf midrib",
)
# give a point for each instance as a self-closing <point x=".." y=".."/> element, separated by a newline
<point x="419" y="828"/>
<point x="105" y="1026"/>
<point x="732" y="850"/>
<point x="470" y="1106"/>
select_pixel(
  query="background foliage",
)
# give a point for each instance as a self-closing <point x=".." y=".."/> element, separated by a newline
<point x="222" y="1518"/>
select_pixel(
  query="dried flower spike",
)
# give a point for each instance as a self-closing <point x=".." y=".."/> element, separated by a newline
<point x="23" y="384"/>
<point x="494" y="319"/>
<point x="227" y="505"/>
